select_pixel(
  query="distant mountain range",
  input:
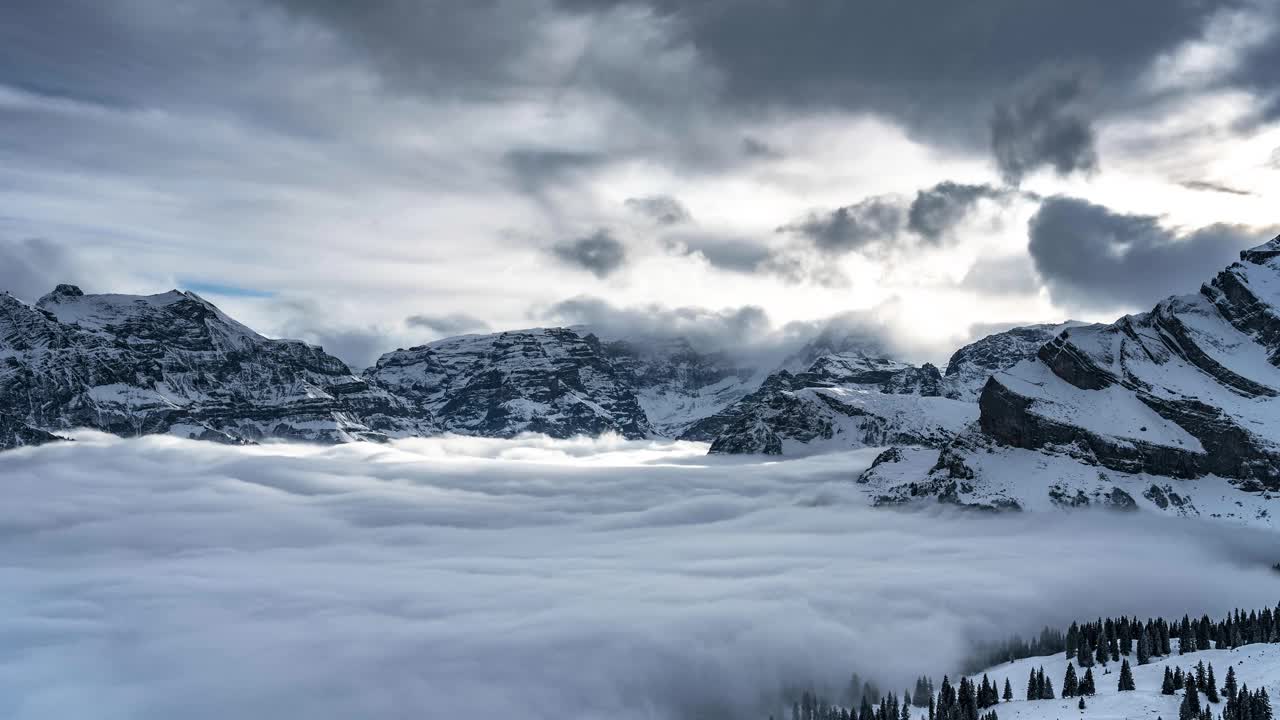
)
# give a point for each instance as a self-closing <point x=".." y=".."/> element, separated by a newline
<point x="174" y="363"/>
<point x="1185" y="391"/>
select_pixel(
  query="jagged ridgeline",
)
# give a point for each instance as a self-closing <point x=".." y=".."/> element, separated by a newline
<point x="175" y="363"/>
<point x="1174" y="410"/>
<point x="1113" y="647"/>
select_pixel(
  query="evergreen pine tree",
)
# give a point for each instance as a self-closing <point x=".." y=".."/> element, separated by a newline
<point x="1008" y="690"/>
<point x="1229" y="687"/>
<point x="1033" y="689"/>
<point x="1202" y="681"/>
<point x="1211" y="686"/>
<point x="1086" y="686"/>
<point x="1192" y="699"/>
<point x="1048" y="689"/>
<point x="1167" y="688"/>
<point x="1144" y="647"/>
<point x="1178" y="680"/>
<point x="1102" y="654"/>
<point x="1070" y="685"/>
<point x="1126" y="677"/>
<point x="1084" y="656"/>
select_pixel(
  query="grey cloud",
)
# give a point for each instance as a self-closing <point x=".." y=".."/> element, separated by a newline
<point x="934" y="74"/>
<point x="1044" y="126"/>
<point x="723" y="252"/>
<point x="31" y="267"/>
<point x="450" y="324"/>
<point x="600" y="253"/>
<point x="756" y="148"/>
<point x="467" y="577"/>
<point x="1091" y="257"/>
<point x="936" y="210"/>
<point x="535" y="168"/>
<point x="730" y="328"/>
<point x="1010" y="275"/>
<point x="852" y="227"/>
<point x="662" y="209"/>
<point x="1207" y="186"/>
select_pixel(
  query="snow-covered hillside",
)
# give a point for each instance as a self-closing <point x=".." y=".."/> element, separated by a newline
<point x="1257" y="666"/>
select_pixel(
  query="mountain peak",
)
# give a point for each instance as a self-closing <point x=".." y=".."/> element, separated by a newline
<point x="1262" y="253"/>
<point x="63" y="290"/>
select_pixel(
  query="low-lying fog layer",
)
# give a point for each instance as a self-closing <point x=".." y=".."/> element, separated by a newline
<point x="467" y="578"/>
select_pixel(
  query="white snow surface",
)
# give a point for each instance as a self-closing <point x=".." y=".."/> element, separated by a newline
<point x="1257" y="666"/>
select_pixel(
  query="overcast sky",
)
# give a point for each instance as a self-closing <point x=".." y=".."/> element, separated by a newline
<point x="372" y="175"/>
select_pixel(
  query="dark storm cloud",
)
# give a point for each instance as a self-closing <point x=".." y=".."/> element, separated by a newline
<point x="450" y="324"/>
<point x="932" y="72"/>
<point x="599" y="253"/>
<point x="31" y="267"/>
<point x="934" y="75"/>
<point x="1091" y="257"/>
<point x="1044" y="127"/>
<point x="935" y="211"/>
<point x="1206" y="186"/>
<point x="852" y="227"/>
<point x="662" y="209"/>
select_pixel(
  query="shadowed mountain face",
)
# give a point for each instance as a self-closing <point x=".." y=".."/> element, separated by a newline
<point x="173" y="363"/>
<point x="1188" y="390"/>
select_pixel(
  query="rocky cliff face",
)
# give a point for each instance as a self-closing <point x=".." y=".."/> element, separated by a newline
<point x="681" y="389"/>
<point x="842" y="401"/>
<point x="174" y="363"/>
<point x="551" y="381"/>
<point x="1187" y="392"/>
<point x="971" y="365"/>
<point x="15" y="433"/>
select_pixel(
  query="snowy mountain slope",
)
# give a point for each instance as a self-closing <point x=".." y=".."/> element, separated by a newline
<point x="842" y="401"/>
<point x="546" y="380"/>
<point x="1257" y="666"/>
<point x="970" y="366"/>
<point x="175" y="363"/>
<point x="679" y="388"/>
<point x="1188" y="391"/>
<point x="1005" y="478"/>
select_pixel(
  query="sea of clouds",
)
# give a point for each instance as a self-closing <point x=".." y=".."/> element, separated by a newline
<point x="529" y="578"/>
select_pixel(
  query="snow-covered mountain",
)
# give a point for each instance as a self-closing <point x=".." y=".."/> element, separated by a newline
<point x="174" y="363"/>
<point x="971" y="365"/>
<point x="844" y="400"/>
<point x="1176" y="409"/>
<point x="847" y="398"/>
<point x="681" y="389"/>
<point x="548" y="380"/>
